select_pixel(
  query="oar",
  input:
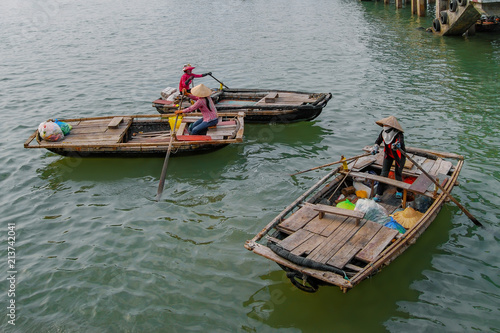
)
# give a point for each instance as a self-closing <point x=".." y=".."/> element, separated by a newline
<point x="218" y="81"/>
<point x="339" y="161"/>
<point x="469" y="215"/>
<point x="165" y="163"/>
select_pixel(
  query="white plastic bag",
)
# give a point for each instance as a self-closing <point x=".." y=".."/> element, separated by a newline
<point x="173" y="96"/>
<point x="373" y="211"/>
<point x="165" y="93"/>
<point x="50" y="131"/>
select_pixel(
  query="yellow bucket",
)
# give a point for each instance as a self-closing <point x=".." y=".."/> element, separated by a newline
<point x="171" y="121"/>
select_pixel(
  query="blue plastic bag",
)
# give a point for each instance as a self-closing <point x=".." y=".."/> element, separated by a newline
<point x="65" y="127"/>
<point x="395" y="225"/>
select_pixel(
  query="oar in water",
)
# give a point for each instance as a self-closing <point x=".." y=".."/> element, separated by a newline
<point x="339" y="161"/>
<point x="469" y="215"/>
<point x="165" y="163"/>
<point x="219" y="81"/>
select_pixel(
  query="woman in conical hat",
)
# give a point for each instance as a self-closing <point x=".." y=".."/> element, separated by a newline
<point x="393" y="138"/>
<point x="187" y="79"/>
<point x="204" y="103"/>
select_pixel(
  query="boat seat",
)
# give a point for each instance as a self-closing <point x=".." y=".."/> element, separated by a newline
<point x="322" y="209"/>
<point x="386" y="180"/>
<point x="115" y="122"/>
<point x="271" y="97"/>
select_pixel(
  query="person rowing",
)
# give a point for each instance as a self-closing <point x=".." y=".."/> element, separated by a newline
<point x="187" y="79"/>
<point x="203" y="102"/>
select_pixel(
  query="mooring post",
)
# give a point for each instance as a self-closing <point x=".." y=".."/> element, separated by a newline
<point x="421" y="7"/>
<point x="399" y="4"/>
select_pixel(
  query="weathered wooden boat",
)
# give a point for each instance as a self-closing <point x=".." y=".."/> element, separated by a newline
<point x="317" y="243"/>
<point x="262" y="106"/>
<point x="141" y="136"/>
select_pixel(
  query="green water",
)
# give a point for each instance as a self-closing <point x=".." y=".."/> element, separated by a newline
<point x="96" y="253"/>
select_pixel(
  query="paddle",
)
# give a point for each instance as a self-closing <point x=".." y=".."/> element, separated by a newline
<point x="165" y="163"/>
<point x="339" y="161"/>
<point x="219" y="81"/>
<point x="469" y="215"/>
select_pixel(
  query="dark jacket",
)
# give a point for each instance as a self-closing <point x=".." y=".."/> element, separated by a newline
<point x="393" y="153"/>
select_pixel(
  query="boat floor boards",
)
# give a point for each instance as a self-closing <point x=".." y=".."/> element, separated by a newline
<point x="335" y="240"/>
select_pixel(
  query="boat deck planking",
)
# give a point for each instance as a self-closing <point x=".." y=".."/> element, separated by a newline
<point x="432" y="166"/>
<point x="285" y="98"/>
<point x="335" y="240"/>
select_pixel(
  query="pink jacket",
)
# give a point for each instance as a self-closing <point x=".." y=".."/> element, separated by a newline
<point x="209" y="112"/>
<point x="186" y="80"/>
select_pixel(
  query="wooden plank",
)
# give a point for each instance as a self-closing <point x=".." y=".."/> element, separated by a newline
<point x="435" y="167"/>
<point x="427" y="165"/>
<point x="379" y="158"/>
<point x="336" y="211"/>
<point x="419" y="160"/>
<point x="381" y="179"/>
<point x="354" y="245"/>
<point x="194" y="138"/>
<point x="298" y="219"/>
<point x="271" y="97"/>
<point x="97" y="138"/>
<point x="363" y="162"/>
<point x="226" y="123"/>
<point x="317" y="225"/>
<point x="334" y="242"/>
<point x="335" y="223"/>
<point x="295" y="239"/>
<point x="181" y="129"/>
<point x="221" y="132"/>
<point x="115" y="122"/>
<point x="421" y="184"/>
<point x="309" y="245"/>
<point x="376" y="245"/>
<point x="289" y="99"/>
<point x="354" y="267"/>
<point x="88" y="130"/>
<point x="444" y="168"/>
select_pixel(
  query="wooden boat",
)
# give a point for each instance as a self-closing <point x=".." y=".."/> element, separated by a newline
<point x="317" y="243"/>
<point x="263" y="106"/>
<point x="140" y="135"/>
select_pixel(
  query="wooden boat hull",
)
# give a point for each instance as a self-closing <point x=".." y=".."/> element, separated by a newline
<point x="124" y="151"/>
<point x="264" y="106"/>
<point x="140" y="136"/>
<point x="344" y="250"/>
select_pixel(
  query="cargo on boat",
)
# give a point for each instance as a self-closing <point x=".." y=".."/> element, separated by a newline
<point x="335" y="234"/>
<point x="261" y="105"/>
<point x="140" y="136"/>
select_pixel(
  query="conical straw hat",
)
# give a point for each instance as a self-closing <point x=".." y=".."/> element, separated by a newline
<point x="201" y="90"/>
<point x="390" y="121"/>
<point x="408" y="217"/>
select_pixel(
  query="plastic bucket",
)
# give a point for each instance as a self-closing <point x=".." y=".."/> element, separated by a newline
<point x="171" y="121"/>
